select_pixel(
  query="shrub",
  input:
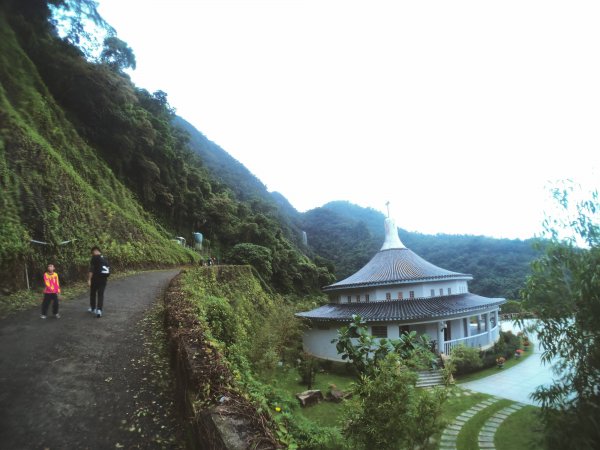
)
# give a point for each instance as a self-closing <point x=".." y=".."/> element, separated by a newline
<point x="388" y="412"/>
<point x="465" y="359"/>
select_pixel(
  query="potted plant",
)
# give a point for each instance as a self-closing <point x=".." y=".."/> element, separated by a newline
<point x="518" y="352"/>
<point x="500" y="360"/>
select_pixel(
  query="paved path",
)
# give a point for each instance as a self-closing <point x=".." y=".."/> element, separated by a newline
<point x="518" y="382"/>
<point x="73" y="382"/>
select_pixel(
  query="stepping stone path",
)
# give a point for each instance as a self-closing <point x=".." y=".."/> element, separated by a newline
<point x="487" y="432"/>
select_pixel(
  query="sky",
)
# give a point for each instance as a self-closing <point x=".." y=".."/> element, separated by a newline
<point x="461" y="114"/>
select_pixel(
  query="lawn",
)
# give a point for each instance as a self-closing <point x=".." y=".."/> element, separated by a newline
<point x="325" y="413"/>
<point x="521" y="430"/>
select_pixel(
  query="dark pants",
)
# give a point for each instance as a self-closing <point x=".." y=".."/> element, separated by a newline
<point x="97" y="287"/>
<point x="46" y="302"/>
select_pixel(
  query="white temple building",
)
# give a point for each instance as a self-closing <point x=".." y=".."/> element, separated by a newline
<point x="398" y="291"/>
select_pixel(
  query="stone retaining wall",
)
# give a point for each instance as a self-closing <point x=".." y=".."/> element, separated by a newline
<point x="212" y="425"/>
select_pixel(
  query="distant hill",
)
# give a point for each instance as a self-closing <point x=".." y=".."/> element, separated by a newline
<point x="349" y="235"/>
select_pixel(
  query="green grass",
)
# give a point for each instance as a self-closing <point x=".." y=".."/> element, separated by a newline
<point x="493" y="370"/>
<point x="325" y="413"/>
<point x="522" y="430"/>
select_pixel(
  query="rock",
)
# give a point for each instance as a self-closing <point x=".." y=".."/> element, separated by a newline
<point x="310" y="398"/>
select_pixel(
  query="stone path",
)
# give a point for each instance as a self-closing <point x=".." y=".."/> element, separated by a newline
<point x="486" y="434"/>
<point x="488" y="431"/>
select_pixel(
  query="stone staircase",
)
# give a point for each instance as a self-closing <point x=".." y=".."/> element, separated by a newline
<point x="430" y="378"/>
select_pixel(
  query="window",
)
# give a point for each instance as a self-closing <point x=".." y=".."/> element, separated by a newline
<point x="388" y="295"/>
<point x="433" y="292"/>
<point x="379" y="331"/>
<point x="358" y="298"/>
<point x="411" y="294"/>
<point x="400" y="295"/>
<point x="449" y="291"/>
<point x="441" y="291"/>
<point x="367" y="297"/>
<point x="349" y="298"/>
<point x="404" y="329"/>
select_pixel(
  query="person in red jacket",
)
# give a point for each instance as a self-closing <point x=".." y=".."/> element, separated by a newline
<point x="51" y="291"/>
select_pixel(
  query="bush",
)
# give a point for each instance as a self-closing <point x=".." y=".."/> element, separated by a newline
<point x="465" y="359"/>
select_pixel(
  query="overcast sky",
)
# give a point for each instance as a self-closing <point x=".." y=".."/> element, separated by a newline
<point x="461" y="113"/>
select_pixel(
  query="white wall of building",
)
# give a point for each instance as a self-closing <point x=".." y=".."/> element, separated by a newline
<point x="317" y="340"/>
<point x="421" y="290"/>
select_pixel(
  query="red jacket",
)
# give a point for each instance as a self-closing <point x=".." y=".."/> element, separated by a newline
<point x="52" y="284"/>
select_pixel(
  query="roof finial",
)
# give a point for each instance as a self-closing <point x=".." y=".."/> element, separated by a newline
<point x="387" y="204"/>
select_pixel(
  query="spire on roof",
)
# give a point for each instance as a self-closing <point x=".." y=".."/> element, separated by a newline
<point x="392" y="240"/>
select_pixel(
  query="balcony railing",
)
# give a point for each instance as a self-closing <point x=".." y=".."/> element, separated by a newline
<point x="480" y="340"/>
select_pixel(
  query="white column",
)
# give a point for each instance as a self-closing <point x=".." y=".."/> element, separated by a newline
<point x="440" y="332"/>
<point x="488" y="327"/>
<point x="468" y="323"/>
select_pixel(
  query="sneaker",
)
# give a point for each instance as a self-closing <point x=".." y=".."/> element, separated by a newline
<point x="42" y="316"/>
<point x="57" y="316"/>
<point x="98" y="313"/>
<point x="90" y="310"/>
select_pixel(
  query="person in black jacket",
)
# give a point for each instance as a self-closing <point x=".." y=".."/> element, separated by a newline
<point x="97" y="276"/>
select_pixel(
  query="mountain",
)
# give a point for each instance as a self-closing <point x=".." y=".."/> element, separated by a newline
<point x="349" y="235"/>
<point x="89" y="158"/>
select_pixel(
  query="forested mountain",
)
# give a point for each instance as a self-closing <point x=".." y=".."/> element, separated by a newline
<point x="349" y="235"/>
<point x="88" y="157"/>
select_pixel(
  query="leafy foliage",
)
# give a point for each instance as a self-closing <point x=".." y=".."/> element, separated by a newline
<point x="355" y="344"/>
<point x="465" y="359"/>
<point x="388" y="412"/>
<point x="564" y="293"/>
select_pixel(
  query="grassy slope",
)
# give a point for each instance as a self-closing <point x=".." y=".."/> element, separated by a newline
<point x="54" y="186"/>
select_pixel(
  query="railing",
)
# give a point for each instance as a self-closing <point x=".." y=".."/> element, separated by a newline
<point x="478" y="340"/>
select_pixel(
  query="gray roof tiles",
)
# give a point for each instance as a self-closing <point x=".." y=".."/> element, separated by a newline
<point x="400" y="310"/>
<point x="395" y="266"/>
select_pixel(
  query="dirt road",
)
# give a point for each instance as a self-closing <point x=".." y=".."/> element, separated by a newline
<point x="79" y="382"/>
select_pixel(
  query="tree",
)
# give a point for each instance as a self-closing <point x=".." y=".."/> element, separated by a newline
<point x="255" y="255"/>
<point x="564" y="293"/>
<point x="387" y="411"/>
<point x="119" y="56"/>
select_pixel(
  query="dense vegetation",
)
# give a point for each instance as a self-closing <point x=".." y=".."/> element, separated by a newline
<point x="87" y="156"/>
<point x="349" y="235"/>
<point x="564" y="293"/>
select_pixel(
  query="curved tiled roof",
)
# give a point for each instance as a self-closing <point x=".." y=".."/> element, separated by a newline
<point x="395" y="266"/>
<point x="401" y="310"/>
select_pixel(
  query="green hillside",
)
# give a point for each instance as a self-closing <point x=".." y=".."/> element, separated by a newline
<point x="349" y="235"/>
<point x="55" y="188"/>
<point x="88" y="157"/>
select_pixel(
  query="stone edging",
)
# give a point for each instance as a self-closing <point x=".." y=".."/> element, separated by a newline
<point x="450" y="433"/>
<point x="488" y="431"/>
